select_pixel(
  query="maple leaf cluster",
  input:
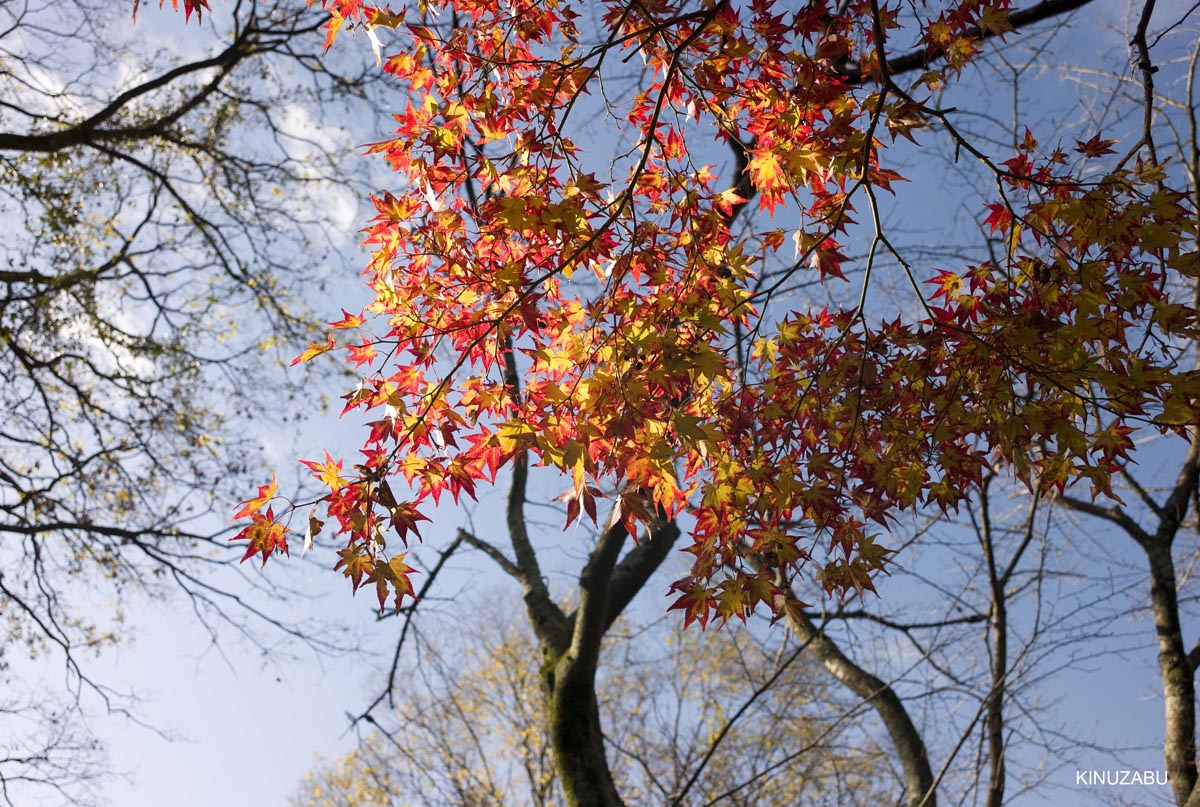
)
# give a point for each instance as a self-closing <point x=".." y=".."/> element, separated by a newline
<point x="189" y="7"/>
<point x="528" y="309"/>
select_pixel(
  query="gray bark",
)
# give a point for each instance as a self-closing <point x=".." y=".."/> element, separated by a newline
<point x="1175" y="669"/>
<point x="919" y="786"/>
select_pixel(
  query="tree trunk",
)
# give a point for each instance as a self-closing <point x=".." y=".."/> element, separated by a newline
<point x="575" y="735"/>
<point x="569" y="681"/>
<point x="1179" y="691"/>
<point x="993" y="720"/>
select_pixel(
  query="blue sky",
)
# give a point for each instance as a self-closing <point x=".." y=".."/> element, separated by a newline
<point x="245" y="725"/>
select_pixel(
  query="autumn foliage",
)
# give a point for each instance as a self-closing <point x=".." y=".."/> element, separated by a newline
<point x="189" y="7"/>
<point x="600" y="315"/>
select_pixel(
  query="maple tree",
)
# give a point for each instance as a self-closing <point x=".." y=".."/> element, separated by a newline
<point x="625" y="319"/>
<point x="466" y="723"/>
<point x="530" y="311"/>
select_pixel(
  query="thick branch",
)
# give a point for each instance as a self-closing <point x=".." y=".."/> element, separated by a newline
<point x="1147" y="69"/>
<point x="548" y="620"/>
<point x="907" y="627"/>
<point x="89" y="130"/>
<point x="591" y="619"/>
<point x="1142" y="493"/>
<point x="919" y="59"/>
<point x="492" y="552"/>
<point x="1114" y="514"/>
<point x="1175" y="509"/>
<point x="637" y="566"/>
<point x="918" y="776"/>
